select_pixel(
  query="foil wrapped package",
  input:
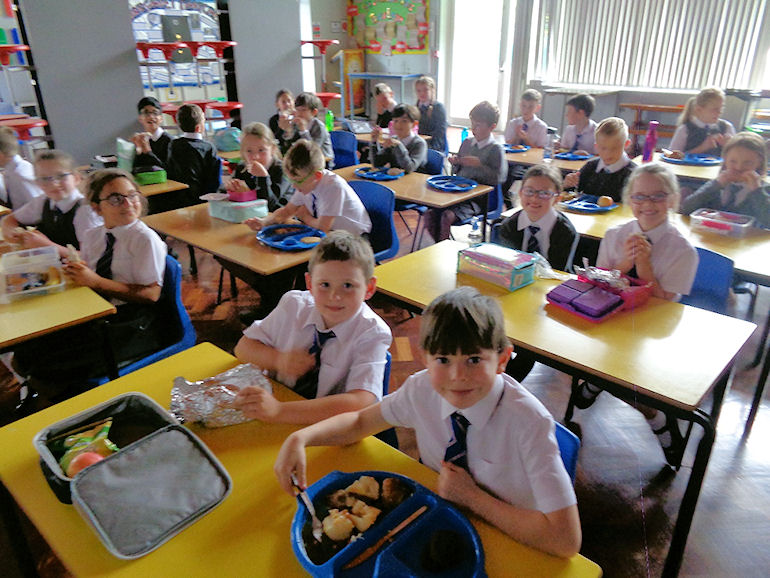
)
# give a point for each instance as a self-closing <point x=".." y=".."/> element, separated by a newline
<point x="209" y="401"/>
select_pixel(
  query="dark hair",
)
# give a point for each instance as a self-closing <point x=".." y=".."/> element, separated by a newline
<point x="408" y="110"/>
<point x="308" y="99"/>
<point x="148" y="101"/>
<point x="283" y="91"/>
<point x="462" y="320"/>
<point x="584" y="102"/>
<point x="189" y="116"/>
<point x="304" y="155"/>
<point x="100" y="179"/>
<point x="548" y="171"/>
<point x="486" y="112"/>
<point x="344" y="246"/>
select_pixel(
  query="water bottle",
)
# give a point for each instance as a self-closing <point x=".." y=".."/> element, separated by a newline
<point x="329" y="120"/>
<point x="548" y="148"/>
<point x="464" y="134"/>
<point x="650" y="141"/>
<point x="475" y="234"/>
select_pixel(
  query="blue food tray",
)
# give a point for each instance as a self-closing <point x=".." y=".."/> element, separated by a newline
<point x="509" y="148"/>
<point x="572" y="157"/>
<point x="451" y="183"/>
<point x="587" y="204"/>
<point x="697" y="160"/>
<point x="374" y="174"/>
<point x="401" y="557"/>
<point x="279" y="237"/>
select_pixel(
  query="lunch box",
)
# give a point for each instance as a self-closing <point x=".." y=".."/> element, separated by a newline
<point x="721" y="222"/>
<point x="30" y="272"/>
<point x="161" y="480"/>
<point x="597" y="301"/>
<point x="237" y="212"/>
<point x="500" y="265"/>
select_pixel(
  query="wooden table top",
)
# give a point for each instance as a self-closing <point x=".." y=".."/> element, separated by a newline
<point x="652" y="107"/>
<point x="31" y="317"/>
<point x="160" y="188"/>
<point x="248" y="534"/>
<point x="232" y="241"/>
<point x="534" y="156"/>
<point x="673" y="352"/>
<point x="230" y="155"/>
<point x="686" y="171"/>
<point x="412" y="189"/>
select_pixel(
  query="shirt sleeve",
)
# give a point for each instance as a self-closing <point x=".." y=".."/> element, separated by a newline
<point x="331" y="202"/>
<point x="679" y="273"/>
<point x="397" y="407"/>
<point x="368" y="366"/>
<point x="149" y="260"/>
<point x="607" y="247"/>
<point x="510" y="131"/>
<point x="538" y="134"/>
<point x="679" y="140"/>
<point x="31" y="213"/>
<point x="266" y="329"/>
<point x="86" y="219"/>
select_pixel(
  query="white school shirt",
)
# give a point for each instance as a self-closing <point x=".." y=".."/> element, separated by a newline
<point x="139" y="254"/>
<point x="537" y="131"/>
<point x="354" y="359"/>
<point x="512" y="448"/>
<point x="679" y="140"/>
<point x="674" y="260"/>
<point x="20" y="183"/>
<point x="545" y="223"/>
<point x="333" y="196"/>
<point x="587" y="137"/>
<point x="84" y="220"/>
<point x="614" y="167"/>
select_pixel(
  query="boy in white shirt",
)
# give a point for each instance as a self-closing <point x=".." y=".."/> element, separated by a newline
<point x="526" y="129"/>
<point x="18" y="174"/>
<point x="492" y="442"/>
<point x="578" y="136"/>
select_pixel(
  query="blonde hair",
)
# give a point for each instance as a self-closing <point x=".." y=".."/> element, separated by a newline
<point x="660" y="171"/>
<point x="749" y="141"/>
<point x="613" y="126"/>
<point x="344" y="246"/>
<point x="532" y="95"/>
<point x="382" y="88"/>
<point x="704" y="97"/>
<point x="427" y="81"/>
<point x="66" y="160"/>
<point x="9" y="142"/>
<point x="259" y="130"/>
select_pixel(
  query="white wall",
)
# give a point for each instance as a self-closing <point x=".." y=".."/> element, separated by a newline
<point x="86" y="62"/>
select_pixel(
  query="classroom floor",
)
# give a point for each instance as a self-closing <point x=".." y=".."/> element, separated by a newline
<point x="627" y="496"/>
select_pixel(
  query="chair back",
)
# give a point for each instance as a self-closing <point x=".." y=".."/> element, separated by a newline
<point x="379" y="202"/>
<point x="569" y="444"/>
<point x="345" y="146"/>
<point x="495" y="205"/>
<point x="713" y="279"/>
<point x="434" y="164"/>
<point x="494" y="233"/>
<point x="388" y="435"/>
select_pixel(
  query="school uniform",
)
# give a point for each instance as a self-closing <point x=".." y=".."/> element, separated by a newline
<point x="556" y="236"/>
<point x="20" y="186"/>
<point x="408" y="154"/>
<point x="160" y="141"/>
<point x="537" y="131"/>
<point x="690" y="134"/>
<point x="734" y="198"/>
<point x="512" y="448"/>
<point x="273" y="124"/>
<point x="599" y="179"/>
<point x="491" y="172"/>
<point x="353" y="360"/>
<point x="433" y="122"/>
<point x="63" y="222"/>
<point x="384" y="117"/>
<point x="583" y="140"/>
<point x="674" y="260"/>
<point x="316" y="132"/>
<point x="333" y="196"/>
<point x="194" y="161"/>
<point x="275" y="188"/>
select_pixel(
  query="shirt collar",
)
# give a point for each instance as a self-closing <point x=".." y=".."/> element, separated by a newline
<point x="698" y="122"/>
<point x="656" y="234"/>
<point x="66" y="203"/>
<point x="614" y="167"/>
<point x="486" y="142"/>
<point x="157" y="134"/>
<point x="193" y="135"/>
<point x="341" y="330"/>
<point x="480" y="412"/>
<point x="408" y="139"/>
<point x="122" y="230"/>
<point x="545" y="222"/>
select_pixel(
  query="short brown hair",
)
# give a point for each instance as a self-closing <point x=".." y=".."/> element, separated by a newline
<point x="613" y="126"/>
<point x="100" y="179"/>
<point x="308" y="99"/>
<point x="64" y="159"/>
<point x="548" y="171"/>
<point x="462" y="320"/>
<point x="749" y="141"/>
<point x="344" y="246"/>
<point x="486" y="112"/>
<point x="408" y="110"/>
<point x="9" y="142"/>
<point x="584" y="102"/>
<point x="531" y="94"/>
<point x="189" y="117"/>
<point x="304" y="156"/>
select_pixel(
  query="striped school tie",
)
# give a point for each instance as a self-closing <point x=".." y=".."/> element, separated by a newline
<point x="104" y="264"/>
<point x="315" y="209"/>
<point x="457" y="452"/>
<point x="533" y="246"/>
<point x="307" y="384"/>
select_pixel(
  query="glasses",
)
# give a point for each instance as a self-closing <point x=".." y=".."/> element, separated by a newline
<point x="297" y="182"/>
<point x="653" y="198"/>
<point x="150" y="113"/>
<point x="116" y="199"/>
<point x="53" y="179"/>
<point x="544" y="194"/>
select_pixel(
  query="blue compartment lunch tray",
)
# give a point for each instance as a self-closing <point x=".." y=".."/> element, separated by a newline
<point x="375" y="174"/>
<point x="287" y="237"/>
<point x="697" y="160"/>
<point x="509" y="148"/>
<point x="451" y="183"/>
<point x="572" y="157"/>
<point x="587" y="204"/>
<point x="401" y="557"/>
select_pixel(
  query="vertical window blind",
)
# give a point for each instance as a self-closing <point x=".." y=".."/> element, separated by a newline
<point x="685" y="44"/>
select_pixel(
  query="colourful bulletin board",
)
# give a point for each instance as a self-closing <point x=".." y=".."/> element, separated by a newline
<point x="390" y="26"/>
<point x="354" y="62"/>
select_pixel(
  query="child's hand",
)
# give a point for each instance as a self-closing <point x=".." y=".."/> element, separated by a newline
<point x="256" y="223"/>
<point x="300" y="123"/>
<point x="304" y="215"/>
<point x="637" y="249"/>
<point x="521" y="134"/>
<point x="141" y="141"/>
<point x="294" y="363"/>
<point x="376" y="133"/>
<point x="32" y="239"/>
<point x="284" y="120"/>
<point x="80" y="274"/>
<point x="470" y="161"/>
<point x="456" y="484"/>
<point x="727" y="176"/>
<point x="291" y="460"/>
<point x="571" y="180"/>
<point x="257" y="403"/>
<point x="752" y="180"/>
<point x="454" y="159"/>
<point x="390" y="141"/>
<point x="720" y="139"/>
<point x="236" y="186"/>
<point x="556" y="144"/>
<point x="257" y="169"/>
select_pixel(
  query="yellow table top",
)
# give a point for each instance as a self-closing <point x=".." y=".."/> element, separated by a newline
<point x="248" y="534"/>
<point x="31" y="317"/>
<point x="160" y="188"/>
<point x="671" y="351"/>
<point x="232" y="241"/>
<point x="534" y="156"/>
<point x="686" y="171"/>
<point x="412" y="189"/>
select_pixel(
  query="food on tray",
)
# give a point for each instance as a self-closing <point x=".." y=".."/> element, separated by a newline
<point x="568" y="196"/>
<point x="310" y="239"/>
<point x="394" y="171"/>
<point x="674" y="155"/>
<point x="338" y="525"/>
<point x="445" y="550"/>
<point x="519" y="147"/>
<point x="363" y="515"/>
<point x="604" y="201"/>
<point x="283" y="231"/>
<point x="365" y="486"/>
<point x="394" y="491"/>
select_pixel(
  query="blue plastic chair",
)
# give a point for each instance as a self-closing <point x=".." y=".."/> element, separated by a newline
<point x="569" y="444"/>
<point x="434" y="164"/>
<point x="388" y="435"/>
<point x="712" y="283"/>
<point x="379" y="202"/>
<point x="345" y="147"/>
<point x="176" y="321"/>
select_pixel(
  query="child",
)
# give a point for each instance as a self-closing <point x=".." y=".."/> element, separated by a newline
<point x="739" y="188"/>
<point x="61" y="216"/>
<point x="20" y="185"/>
<point x="260" y="168"/>
<point x="700" y="129"/>
<point x="480" y="158"/>
<point x="403" y="149"/>
<point x="305" y="125"/>
<point x="193" y="160"/>
<point x="508" y="469"/>
<point x="324" y="343"/>
<point x="284" y="102"/>
<point x="526" y="129"/>
<point x="152" y="145"/>
<point x="653" y="250"/>
<point x="322" y="199"/>
<point x="433" y="121"/>
<point x="607" y="175"/>
<point x="578" y="137"/>
<point x="385" y="103"/>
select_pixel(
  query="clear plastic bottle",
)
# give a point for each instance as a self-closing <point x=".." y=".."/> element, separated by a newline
<point x="329" y="120"/>
<point x="650" y="141"/>
<point x="548" y="148"/>
<point x="474" y="236"/>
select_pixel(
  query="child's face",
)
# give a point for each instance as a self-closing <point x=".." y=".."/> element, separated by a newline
<point x="254" y="148"/>
<point x="652" y="210"/>
<point x="573" y="115"/>
<point x="304" y="181"/>
<point x="528" y="108"/>
<point x="742" y="160"/>
<point x="609" y="148"/>
<point x="284" y="102"/>
<point x="57" y="180"/>
<point x="480" y="129"/>
<point x="536" y="207"/>
<point x="711" y="111"/>
<point x="338" y="289"/>
<point x="402" y="126"/>
<point x="424" y="92"/>
<point x="149" y="118"/>
<point x="305" y="113"/>
<point x="129" y="203"/>
<point x="382" y="99"/>
<point x="464" y="380"/>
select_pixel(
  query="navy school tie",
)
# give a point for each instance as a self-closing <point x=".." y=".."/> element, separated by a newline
<point x="315" y="209"/>
<point x="307" y="384"/>
<point x="532" y="244"/>
<point x="457" y="451"/>
<point x="104" y="264"/>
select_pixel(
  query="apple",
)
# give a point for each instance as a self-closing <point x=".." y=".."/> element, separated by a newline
<point x="81" y="461"/>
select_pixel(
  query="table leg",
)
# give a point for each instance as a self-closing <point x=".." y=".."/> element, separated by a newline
<point x="19" y="545"/>
<point x="484" y="216"/>
<point x="758" y="393"/>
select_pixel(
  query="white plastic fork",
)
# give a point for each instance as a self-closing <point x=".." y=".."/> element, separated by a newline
<point x="316" y="523"/>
